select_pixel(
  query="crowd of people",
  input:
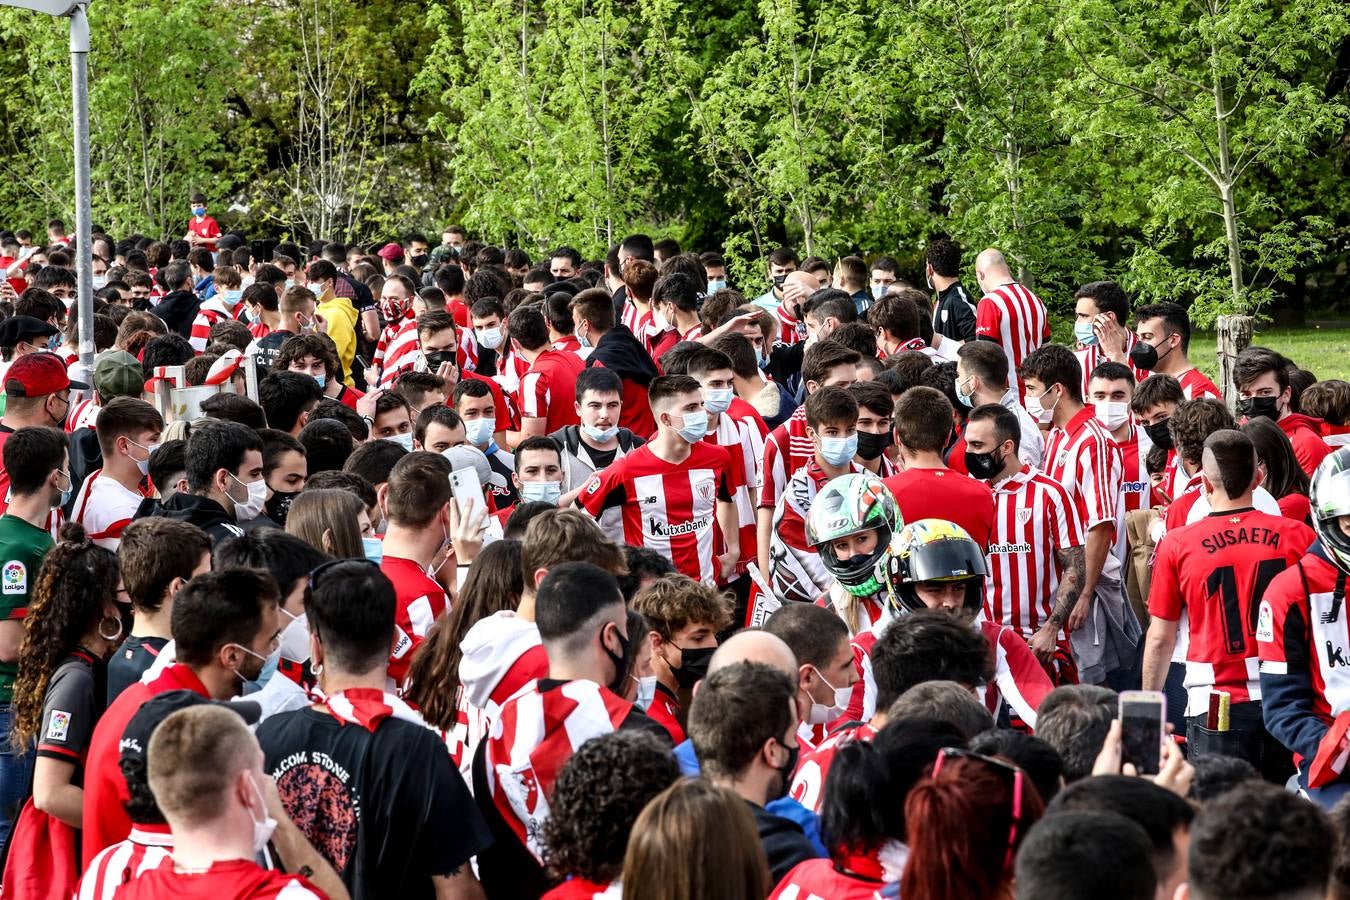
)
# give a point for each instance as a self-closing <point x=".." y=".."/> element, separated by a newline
<point x="471" y="575"/>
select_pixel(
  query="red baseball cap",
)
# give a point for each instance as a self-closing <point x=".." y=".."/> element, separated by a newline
<point x="391" y="252"/>
<point x="37" y="375"/>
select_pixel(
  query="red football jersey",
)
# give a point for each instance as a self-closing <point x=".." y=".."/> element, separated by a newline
<point x="548" y="389"/>
<point x="1016" y="318"/>
<point x="1217" y="570"/>
<point x="420" y="600"/>
<point x="944" y="494"/>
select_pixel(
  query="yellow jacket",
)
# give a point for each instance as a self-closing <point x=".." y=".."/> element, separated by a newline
<point x="341" y="317"/>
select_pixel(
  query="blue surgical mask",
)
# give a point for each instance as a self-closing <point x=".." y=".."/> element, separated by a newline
<point x="315" y="289"/>
<point x="718" y="401"/>
<point x="584" y="340"/>
<point x="878" y="291"/>
<point x="231" y="297"/>
<point x="542" y="491"/>
<point x="199" y="210"/>
<point x="600" y="435"/>
<point x="838" y="451"/>
<point x="65" y="495"/>
<point x="374" y="548"/>
<point x="269" y="669"/>
<point x="479" y="431"/>
<point x="1083" y="333"/>
<point x="695" y="426"/>
<point x="715" y="285"/>
<point x="322" y="380"/>
<point x="967" y="394"/>
<point x="54" y="341"/>
<point x="490" y="338"/>
<point x="403" y="440"/>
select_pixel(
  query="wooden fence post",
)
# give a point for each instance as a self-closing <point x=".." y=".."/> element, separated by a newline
<point x="1235" y="335"/>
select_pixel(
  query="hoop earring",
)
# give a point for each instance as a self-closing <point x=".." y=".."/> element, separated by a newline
<point x="116" y="634"/>
<point x="317" y="668"/>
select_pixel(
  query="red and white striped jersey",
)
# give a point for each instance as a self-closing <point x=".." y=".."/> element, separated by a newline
<point x="536" y="734"/>
<point x="1136" y="489"/>
<point x="420" y="600"/>
<point x="692" y="334"/>
<point x="548" y="389"/>
<point x="259" y="330"/>
<point x="144" y="849"/>
<point x="785" y="451"/>
<point x="1336" y="436"/>
<point x="82" y="415"/>
<point x="789" y="329"/>
<point x="501" y="653"/>
<point x="105" y="508"/>
<point x="211" y="312"/>
<point x="1217" y="570"/>
<point x="808" y="784"/>
<point x="744" y="443"/>
<point x="1015" y="317"/>
<point x="1082" y="457"/>
<point x="796" y="571"/>
<point x="1092" y="356"/>
<point x="1019" y="679"/>
<point x="1195" y="384"/>
<point x="637" y="321"/>
<point x="396" y="351"/>
<point x="668" y="507"/>
<point x="1034" y="517"/>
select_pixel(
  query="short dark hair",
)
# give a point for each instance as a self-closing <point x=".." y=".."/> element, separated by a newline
<point x="923" y="419"/>
<point x="165" y="350"/>
<point x="825" y="355"/>
<point x="419" y="486"/>
<point x="1156" y="810"/>
<point x="435" y="414"/>
<point x="276" y="444"/>
<point x="1029" y="753"/>
<point x="665" y="387"/>
<point x="327" y="444"/>
<point x="351" y="607"/>
<point x="1155" y="390"/>
<point x="707" y="360"/>
<point x="945" y="257"/>
<point x="524" y="513"/>
<point x="987" y="360"/>
<point x="1235" y="458"/>
<point x="168" y="460"/>
<point x="332" y="408"/>
<point x="897" y="314"/>
<point x="1074" y="719"/>
<point x="287" y="557"/>
<point x="569" y="599"/>
<point x="814" y="633"/>
<point x="1215" y="774"/>
<point x="123" y="417"/>
<point x="1260" y="841"/>
<point x="1054" y="364"/>
<point x="153" y="552"/>
<point x="31" y="455"/>
<point x="414" y="386"/>
<point x="1007" y="427"/>
<point x="1254" y="362"/>
<point x="538" y="442"/>
<point x="1084" y="853"/>
<point x="1174" y="318"/>
<point x="738" y="708"/>
<point x="374" y="460"/>
<point x="1109" y="297"/>
<point x="1193" y="422"/>
<point x="857" y="336"/>
<point x="830" y="303"/>
<point x="285" y="395"/>
<point x="782" y="256"/>
<point x="642" y="564"/>
<point x="219" y="608"/>
<point x="214" y="445"/>
<point x="298" y="346"/>
<point x="928" y="645"/>
<point x="832" y="405"/>
<point x="528" y="327"/>
<point x="597" y="798"/>
<point x="227" y="407"/>
<point x="872" y="396"/>
<point x="1111" y="371"/>
<point x="598" y="379"/>
<point x="946" y="701"/>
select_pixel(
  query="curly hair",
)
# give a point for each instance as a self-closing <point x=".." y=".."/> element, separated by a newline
<point x="76" y="580"/>
<point x="495" y="582"/>
<point x="597" y="798"/>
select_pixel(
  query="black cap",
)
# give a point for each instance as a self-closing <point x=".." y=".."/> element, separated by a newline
<point x="136" y="739"/>
<point x="24" y="328"/>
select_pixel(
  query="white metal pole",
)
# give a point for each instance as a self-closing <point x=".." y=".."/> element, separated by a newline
<point x="84" y="250"/>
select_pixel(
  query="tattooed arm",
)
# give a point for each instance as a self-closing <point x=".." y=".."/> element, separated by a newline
<point x="1072" y="574"/>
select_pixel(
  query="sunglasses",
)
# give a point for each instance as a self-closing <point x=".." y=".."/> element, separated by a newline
<point x="1015" y="777"/>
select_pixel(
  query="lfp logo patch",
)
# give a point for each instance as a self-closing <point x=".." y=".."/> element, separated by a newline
<point x="14" y="578"/>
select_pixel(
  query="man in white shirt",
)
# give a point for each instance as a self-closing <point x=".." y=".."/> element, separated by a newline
<point x="981" y="376"/>
<point x="128" y="432"/>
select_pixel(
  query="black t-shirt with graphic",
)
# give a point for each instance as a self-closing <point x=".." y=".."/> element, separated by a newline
<point x="388" y="810"/>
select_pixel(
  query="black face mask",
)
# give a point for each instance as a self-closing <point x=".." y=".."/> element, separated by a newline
<point x="419" y="261"/>
<point x="1159" y="434"/>
<point x="278" y="506"/>
<point x="620" y="662"/>
<point x="787" y="769"/>
<point x="1253" y="407"/>
<point x="693" y="665"/>
<point x="1145" y="356"/>
<point x="983" y="466"/>
<point x="870" y="446"/>
<point x="437" y="358"/>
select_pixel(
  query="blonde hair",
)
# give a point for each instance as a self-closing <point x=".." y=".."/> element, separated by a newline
<point x="192" y="761"/>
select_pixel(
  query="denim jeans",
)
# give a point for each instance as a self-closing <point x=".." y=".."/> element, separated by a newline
<point x="16" y="777"/>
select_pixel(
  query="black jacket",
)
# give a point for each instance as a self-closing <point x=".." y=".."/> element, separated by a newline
<point x="178" y="310"/>
<point x="205" y="513"/>
<point x="784" y="843"/>
<point x="623" y="354"/>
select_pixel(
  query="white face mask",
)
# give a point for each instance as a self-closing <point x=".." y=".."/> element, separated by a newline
<point x="100" y="282"/>
<point x="295" y="638"/>
<point x="490" y="338"/>
<point x="646" y="691"/>
<point x="718" y="401"/>
<point x="820" y="713"/>
<point x="1042" y="414"/>
<point x="262" y="831"/>
<point x="1112" y="415"/>
<point x="660" y="322"/>
<point x="248" y="510"/>
<point x="479" y="431"/>
<point x="541" y="491"/>
<point x="404" y="440"/>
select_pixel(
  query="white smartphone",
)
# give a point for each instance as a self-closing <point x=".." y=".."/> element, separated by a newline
<point x="1143" y="725"/>
<point x="468" y="492"/>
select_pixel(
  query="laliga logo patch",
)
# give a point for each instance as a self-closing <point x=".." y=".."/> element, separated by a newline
<point x="14" y="578"/>
<point x="1265" y="623"/>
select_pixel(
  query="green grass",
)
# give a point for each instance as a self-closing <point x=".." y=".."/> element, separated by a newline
<point x="1323" y="351"/>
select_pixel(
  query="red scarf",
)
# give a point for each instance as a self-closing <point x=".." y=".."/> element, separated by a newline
<point x="368" y="707"/>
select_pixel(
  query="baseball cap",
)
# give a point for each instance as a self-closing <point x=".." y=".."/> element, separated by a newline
<point x="24" y="328"/>
<point x="391" y="252"/>
<point x="118" y="374"/>
<point x="136" y="738"/>
<point x="466" y="456"/>
<point x="37" y="375"/>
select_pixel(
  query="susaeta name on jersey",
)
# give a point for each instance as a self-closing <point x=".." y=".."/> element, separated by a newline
<point x="661" y="529"/>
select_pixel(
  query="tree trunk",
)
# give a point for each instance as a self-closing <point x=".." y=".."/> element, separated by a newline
<point x="1235" y="335"/>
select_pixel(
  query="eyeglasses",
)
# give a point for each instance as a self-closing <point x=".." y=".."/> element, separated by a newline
<point x="323" y="567"/>
<point x="1015" y="777"/>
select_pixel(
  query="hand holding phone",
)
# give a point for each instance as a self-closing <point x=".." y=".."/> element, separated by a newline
<point x="1143" y="722"/>
<point x="468" y="493"/>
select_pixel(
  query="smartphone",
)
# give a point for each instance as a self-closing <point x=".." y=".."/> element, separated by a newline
<point x="468" y="492"/>
<point x="1143" y="725"/>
